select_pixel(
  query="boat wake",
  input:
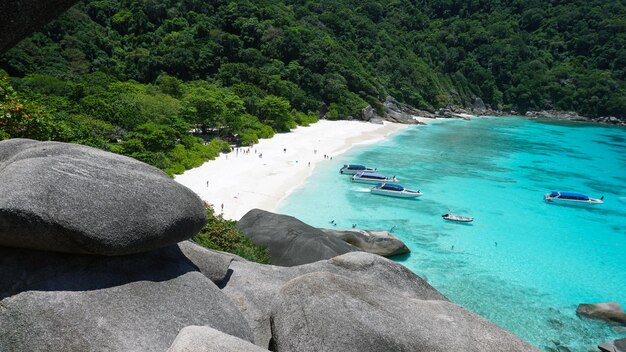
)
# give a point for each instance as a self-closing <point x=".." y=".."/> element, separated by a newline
<point x="361" y="189"/>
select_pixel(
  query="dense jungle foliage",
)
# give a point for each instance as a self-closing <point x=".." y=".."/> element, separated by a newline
<point x="146" y="77"/>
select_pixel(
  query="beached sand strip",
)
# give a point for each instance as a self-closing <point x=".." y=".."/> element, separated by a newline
<point x="239" y="181"/>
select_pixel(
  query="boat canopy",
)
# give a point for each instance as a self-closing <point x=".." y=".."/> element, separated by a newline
<point x="355" y="167"/>
<point x="390" y="187"/>
<point x="372" y="175"/>
<point x="569" y="195"/>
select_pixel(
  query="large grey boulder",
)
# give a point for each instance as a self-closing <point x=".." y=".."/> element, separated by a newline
<point x="76" y="199"/>
<point x="328" y="312"/>
<point x="613" y="346"/>
<point x="65" y="302"/>
<point x="253" y="287"/>
<point x="289" y="240"/>
<point x="371" y="241"/>
<point x="206" y="339"/>
<point x="607" y="311"/>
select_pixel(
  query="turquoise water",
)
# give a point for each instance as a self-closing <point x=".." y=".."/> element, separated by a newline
<point x="522" y="263"/>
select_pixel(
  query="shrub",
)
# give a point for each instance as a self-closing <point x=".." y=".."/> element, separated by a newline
<point x="222" y="235"/>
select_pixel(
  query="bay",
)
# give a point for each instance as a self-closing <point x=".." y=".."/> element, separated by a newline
<point x="523" y="264"/>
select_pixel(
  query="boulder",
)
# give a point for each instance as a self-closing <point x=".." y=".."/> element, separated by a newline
<point x="76" y="199"/>
<point x="206" y="339"/>
<point x="613" y="346"/>
<point x="478" y="106"/>
<point x="371" y="241"/>
<point x="289" y="240"/>
<point x="67" y="302"/>
<point x="213" y="264"/>
<point x="328" y="312"/>
<point x="253" y="287"/>
<point x="607" y="311"/>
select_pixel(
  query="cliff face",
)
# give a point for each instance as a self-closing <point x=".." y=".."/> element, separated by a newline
<point x="20" y="18"/>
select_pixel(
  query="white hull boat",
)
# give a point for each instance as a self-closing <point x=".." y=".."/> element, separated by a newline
<point x="457" y="218"/>
<point x="569" y="198"/>
<point x="367" y="177"/>
<point x="351" y="169"/>
<point x="394" y="190"/>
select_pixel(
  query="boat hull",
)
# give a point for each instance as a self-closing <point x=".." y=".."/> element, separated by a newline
<point x="352" y="172"/>
<point x="572" y="202"/>
<point x="398" y="194"/>
<point x="372" y="181"/>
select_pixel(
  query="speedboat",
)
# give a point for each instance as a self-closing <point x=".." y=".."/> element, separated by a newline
<point x="571" y="198"/>
<point x="458" y="218"/>
<point x="367" y="177"/>
<point x="394" y="190"/>
<point x="351" y="169"/>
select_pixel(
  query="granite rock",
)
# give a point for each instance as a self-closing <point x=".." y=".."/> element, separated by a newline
<point x="607" y="311"/>
<point x="328" y="312"/>
<point x="67" y="302"/>
<point x="289" y="240"/>
<point x="371" y="241"/>
<point x="76" y="199"/>
<point x="613" y="346"/>
<point x="206" y="339"/>
<point x="253" y="287"/>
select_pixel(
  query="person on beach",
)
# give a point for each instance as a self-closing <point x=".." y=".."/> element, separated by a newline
<point x="309" y="163"/>
<point x="284" y="150"/>
<point x="207" y="183"/>
<point x="222" y="208"/>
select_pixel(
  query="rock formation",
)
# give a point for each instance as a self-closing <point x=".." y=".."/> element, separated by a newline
<point x="371" y="241"/>
<point x="289" y="240"/>
<point x="77" y="199"/>
<point x="328" y="312"/>
<point x="182" y="296"/>
<point x="608" y="311"/>
<point x="206" y="339"/>
<point x="613" y="346"/>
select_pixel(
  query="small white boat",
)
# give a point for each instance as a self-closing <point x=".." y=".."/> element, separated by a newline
<point x="457" y="218"/>
<point x="571" y="198"/>
<point x="351" y="169"/>
<point x="368" y="177"/>
<point x="394" y="190"/>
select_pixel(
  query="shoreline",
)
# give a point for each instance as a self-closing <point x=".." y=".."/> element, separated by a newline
<point x="263" y="175"/>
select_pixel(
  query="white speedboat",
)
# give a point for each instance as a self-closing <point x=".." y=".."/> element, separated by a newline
<point x="457" y="218"/>
<point x="351" y="169"/>
<point x="394" y="190"/>
<point x="571" y="198"/>
<point x="368" y="177"/>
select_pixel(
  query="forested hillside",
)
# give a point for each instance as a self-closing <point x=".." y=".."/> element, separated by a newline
<point x="135" y="76"/>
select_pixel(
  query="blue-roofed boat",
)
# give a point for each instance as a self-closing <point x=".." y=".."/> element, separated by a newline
<point x="368" y="177"/>
<point x="394" y="190"/>
<point x="571" y="198"/>
<point x="351" y="169"/>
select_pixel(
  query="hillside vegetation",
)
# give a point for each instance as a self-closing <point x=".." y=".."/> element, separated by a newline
<point x="137" y="77"/>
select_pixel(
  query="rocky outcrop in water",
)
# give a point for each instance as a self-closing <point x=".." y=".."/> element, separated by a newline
<point x="607" y="311"/>
<point x="371" y="241"/>
<point x="76" y="199"/>
<point x="289" y="240"/>
<point x="613" y="346"/>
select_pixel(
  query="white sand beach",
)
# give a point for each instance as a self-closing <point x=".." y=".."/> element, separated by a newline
<point x="240" y="181"/>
